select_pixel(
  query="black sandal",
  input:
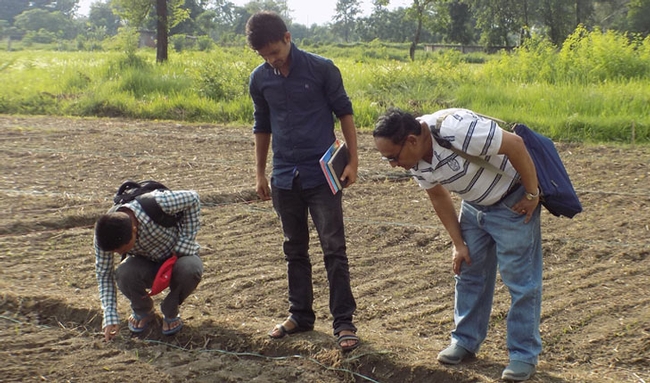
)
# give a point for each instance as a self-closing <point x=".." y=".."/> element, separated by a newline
<point x="283" y="331"/>
<point x="342" y="338"/>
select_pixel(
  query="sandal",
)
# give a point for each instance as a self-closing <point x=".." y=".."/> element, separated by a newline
<point x="342" y="338"/>
<point x="172" y="330"/>
<point x="145" y="320"/>
<point x="282" y="331"/>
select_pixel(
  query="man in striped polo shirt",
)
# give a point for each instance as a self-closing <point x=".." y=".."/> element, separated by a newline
<point x="456" y="150"/>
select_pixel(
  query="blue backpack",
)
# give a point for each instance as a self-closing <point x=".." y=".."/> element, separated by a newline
<point x="557" y="193"/>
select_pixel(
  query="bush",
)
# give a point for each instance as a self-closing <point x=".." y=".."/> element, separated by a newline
<point x="204" y="43"/>
<point x="41" y="36"/>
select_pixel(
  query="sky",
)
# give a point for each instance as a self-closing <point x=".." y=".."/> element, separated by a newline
<point x="306" y="12"/>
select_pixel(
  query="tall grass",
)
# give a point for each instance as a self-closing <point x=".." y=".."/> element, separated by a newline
<point x="593" y="88"/>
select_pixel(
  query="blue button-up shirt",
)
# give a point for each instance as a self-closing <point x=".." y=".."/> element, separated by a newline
<point x="299" y="111"/>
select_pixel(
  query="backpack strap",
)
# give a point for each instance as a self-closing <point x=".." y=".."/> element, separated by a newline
<point x="435" y="131"/>
<point x="156" y="213"/>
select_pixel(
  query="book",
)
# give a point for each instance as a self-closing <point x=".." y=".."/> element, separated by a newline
<point x="332" y="164"/>
<point x="337" y="163"/>
<point x="323" y="164"/>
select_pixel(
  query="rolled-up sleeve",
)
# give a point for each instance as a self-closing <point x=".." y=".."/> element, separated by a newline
<point x="336" y="95"/>
<point x="261" y="113"/>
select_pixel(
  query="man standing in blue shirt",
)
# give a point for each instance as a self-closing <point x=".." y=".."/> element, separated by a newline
<point x="296" y="95"/>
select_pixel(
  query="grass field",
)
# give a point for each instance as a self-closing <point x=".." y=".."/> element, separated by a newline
<point x="594" y="89"/>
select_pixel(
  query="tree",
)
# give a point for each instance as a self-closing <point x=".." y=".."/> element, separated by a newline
<point x="219" y="20"/>
<point x="557" y="16"/>
<point x="36" y="19"/>
<point x="12" y="8"/>
<point x="101" y="16"/>
<point x="189" y="26"/>
<point x="461" y="24"/>
<point x="345" y="16"/>
<point x="67" y="7"/>
<point x="638" y="16"/>
<point x="162" y="30"/>
<point x="499" y="20"/>
<point x="420" y="10"/>
<point x="584" y="11"/>
<point x="168" y="14"/>
<point x="611" y="14"/>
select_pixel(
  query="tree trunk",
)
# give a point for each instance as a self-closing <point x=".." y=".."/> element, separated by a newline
<point x="416" y="38"/>
<point x="161" y="31"/>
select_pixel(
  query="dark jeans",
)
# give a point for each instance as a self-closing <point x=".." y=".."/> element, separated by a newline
<point x="136" y="274"/>
<point x="327" y="214"/>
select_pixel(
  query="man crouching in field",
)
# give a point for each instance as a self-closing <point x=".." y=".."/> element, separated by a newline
<point x="145" y="246"/>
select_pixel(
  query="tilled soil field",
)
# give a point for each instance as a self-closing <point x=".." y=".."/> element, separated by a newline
<point x="59" y="174"/>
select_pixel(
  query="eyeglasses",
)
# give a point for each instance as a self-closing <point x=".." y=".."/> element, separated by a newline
<point x="396" y="157"/>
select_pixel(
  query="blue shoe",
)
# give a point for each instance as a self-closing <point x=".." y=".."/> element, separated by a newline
<point x="454" y="354"/>
<point x="518" y="371"/>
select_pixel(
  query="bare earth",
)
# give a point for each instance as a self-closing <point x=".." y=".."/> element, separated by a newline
<point x="58" y="174"/>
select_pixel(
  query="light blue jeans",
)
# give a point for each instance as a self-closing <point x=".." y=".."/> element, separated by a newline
<point x="498" y="237"/>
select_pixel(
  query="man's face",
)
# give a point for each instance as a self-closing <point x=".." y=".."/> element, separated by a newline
<point x="277" y="53"/>
<point x="128" y="246"/>
<point x="397" y="154"/>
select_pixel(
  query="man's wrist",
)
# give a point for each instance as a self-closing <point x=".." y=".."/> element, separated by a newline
<point x="532" y="196"/>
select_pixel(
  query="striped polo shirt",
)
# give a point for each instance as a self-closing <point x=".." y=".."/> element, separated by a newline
<point x="476" y="136"/>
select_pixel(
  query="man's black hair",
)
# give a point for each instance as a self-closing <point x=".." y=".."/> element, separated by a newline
<point x="395" y="125"/>
<point x="113" y="230"/>
<point x="264" y="28"/>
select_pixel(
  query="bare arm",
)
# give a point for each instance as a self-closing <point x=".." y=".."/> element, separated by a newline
<point x="262" y="143"/>
<point x="446" y="211"/>
<point x="513" y="146"/>
<point x="350" y="136"/>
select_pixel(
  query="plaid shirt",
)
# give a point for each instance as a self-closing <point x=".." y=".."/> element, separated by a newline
<point x="153" y="242"/>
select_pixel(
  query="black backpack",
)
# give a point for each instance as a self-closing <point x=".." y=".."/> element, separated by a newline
<point x="140" y="191"/>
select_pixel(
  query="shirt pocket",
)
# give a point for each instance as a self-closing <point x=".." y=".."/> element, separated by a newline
<point x="304" y="94"/>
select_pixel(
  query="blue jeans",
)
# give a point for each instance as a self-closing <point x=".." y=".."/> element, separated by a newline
<point x="326" y="212"/>
<point x="498" y="237"/>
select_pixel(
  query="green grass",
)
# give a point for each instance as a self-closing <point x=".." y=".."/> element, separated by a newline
<point x="593" y="89"/>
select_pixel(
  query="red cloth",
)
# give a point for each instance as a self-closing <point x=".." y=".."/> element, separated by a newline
<point x="164" y="276"/>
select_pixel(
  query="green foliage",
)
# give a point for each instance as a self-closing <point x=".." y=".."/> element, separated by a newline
<point x="585" y="57"/>
<point x="594" y="88"/>
<point x="598" y="56"/>
<point x="40" y="36"/>
<point x="181" y="42"/>
<point x="638" y="16"/>
<point x="204" y="43"/>
<point x="126" y="40"/>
